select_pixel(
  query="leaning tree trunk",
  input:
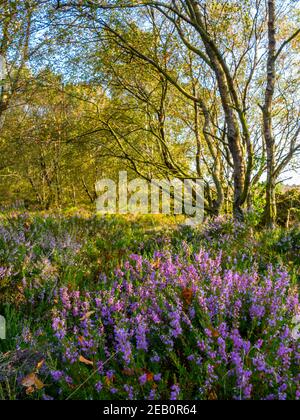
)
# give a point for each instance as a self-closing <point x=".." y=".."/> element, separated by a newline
<point x="271" y="208"/>
<point x="233" y="135"/>
<point x="227" y="94"/>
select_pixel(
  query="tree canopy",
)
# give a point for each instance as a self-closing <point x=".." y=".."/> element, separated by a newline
<point x="182" y="89"/>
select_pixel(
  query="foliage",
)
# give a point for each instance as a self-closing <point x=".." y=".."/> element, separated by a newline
<point x="288" y="203"/>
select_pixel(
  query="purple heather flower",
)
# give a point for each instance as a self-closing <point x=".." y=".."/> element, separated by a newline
<point x="243" y="313"/>
<point x="69" y="380"/>
<point x="56" y="375"/>
<point x="123" y="343"/>
<point x="152" y="395"/>
<point x="175" y="391"/>
<point x="110" y="374"/>
<point x="175" y="324"/>
<point x="257" y="311"/>
<point x="141" y="340"/>
<point x="98" y="302"/>
<point x="47" y="398"/>
<point x="143" y="379"/>
<point x="99" y="387"/>
<point x="59" y="326"/>
<point x="129" y="390"/>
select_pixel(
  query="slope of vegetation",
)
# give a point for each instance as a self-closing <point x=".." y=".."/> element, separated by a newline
<point x="125" y="308"/>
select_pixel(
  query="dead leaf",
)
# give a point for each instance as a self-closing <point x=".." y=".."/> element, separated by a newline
<point x="30" y="390"/>
<point x="212" y="395"/>
<point x="39" y="384"/>
<point x="29" y="380"/>
<point x="215" y="333"/>
<point x="150" y="377"/>
<point x="40" y="365"/>
<point x="32" y="380"/>
<point x="108" y="381"/>
<point x="128" y="372"/>
<point x="86" y="361"/>
<point x="187" y="295"/>
<point x="156" y="264"/>
<point x="81" y="339"/>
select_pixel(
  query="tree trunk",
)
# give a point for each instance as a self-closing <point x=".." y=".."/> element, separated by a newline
<point x="226" y="91"/>
<point x="271" y="208"/>
<point x="234" y="140"/>
<point x="215" y="153"/>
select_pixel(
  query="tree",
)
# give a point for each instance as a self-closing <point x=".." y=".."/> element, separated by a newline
<point x="47" y="162"/>
<point x="274" y="171"/>
<point x="194" y="25"/>
<point x="15" y="30"/>
<point x="234" y="70"/>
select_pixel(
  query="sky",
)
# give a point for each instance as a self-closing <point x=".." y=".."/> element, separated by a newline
<point x="295" y="178"/>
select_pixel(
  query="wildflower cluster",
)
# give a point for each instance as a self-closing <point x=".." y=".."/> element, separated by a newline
<point x="185" y="328"/>
<point x="142" y="309"/>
